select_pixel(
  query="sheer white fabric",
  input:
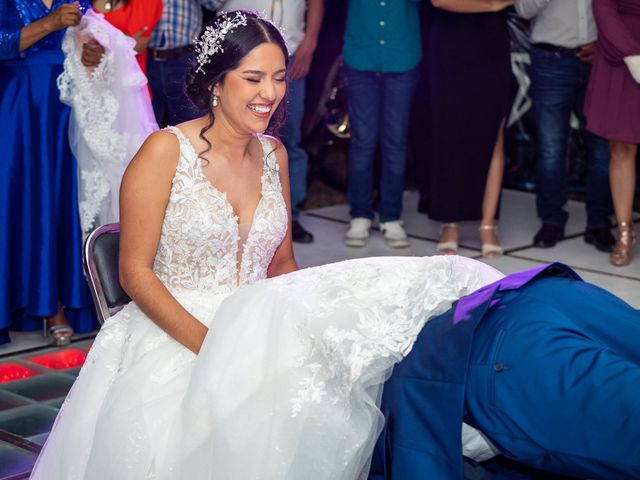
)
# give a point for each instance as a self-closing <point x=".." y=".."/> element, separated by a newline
<point x="287" y="382"/>
<point x="111" y="115"/>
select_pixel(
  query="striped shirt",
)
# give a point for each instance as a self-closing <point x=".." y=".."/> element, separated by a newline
<point x="181" y="21"/>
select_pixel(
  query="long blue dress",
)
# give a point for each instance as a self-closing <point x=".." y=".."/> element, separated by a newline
<point x="40" y="238"/>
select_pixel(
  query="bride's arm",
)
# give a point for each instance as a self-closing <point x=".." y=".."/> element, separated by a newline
<point x="283" y="261"/>
<point x="144" y="195"/>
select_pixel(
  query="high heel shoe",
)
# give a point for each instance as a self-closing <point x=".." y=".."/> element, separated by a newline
<point x="621" y="254"/>
<point x="59" y="332"/>
<point x="447" y="248"/>
<point x="491" y="250"/>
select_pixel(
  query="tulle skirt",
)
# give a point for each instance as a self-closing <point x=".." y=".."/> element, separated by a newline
<point x="40" y="239"/>
<point x="286" y="384"/>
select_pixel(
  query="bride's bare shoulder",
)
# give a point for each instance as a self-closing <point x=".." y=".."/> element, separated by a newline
<point x="155" y="162"/>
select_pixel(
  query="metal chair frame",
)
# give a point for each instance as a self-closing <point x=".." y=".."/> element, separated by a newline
<point x="93" y="277"/>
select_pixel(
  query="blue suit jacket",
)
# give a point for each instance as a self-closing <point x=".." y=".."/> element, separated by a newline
<point x="416" y="444"/>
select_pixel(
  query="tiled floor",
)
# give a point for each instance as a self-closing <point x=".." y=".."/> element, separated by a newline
<point x="518" y="225"/>
<point x="34" y="383"/>
<point x="32" y="388"/>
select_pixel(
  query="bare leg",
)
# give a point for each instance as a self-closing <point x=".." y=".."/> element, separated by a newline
<point x="492" y="191"/>
<point x="622" y="175"/>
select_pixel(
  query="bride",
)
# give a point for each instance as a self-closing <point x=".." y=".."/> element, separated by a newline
<point x="213" y="371"/>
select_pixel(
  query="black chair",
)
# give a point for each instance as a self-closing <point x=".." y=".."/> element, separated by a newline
<point x="101" y="253"/>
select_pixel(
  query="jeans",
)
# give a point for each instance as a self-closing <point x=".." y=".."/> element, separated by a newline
<point x="379" y="109"/>
<point x="291" y="134"/>
<point x="171" y="105"/>
<point x="558" y="85"/>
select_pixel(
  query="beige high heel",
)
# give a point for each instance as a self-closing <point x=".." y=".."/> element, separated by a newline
<point x="491" y="250"/>
<point x="622" y="251"/>
<point x="447" y="248"/>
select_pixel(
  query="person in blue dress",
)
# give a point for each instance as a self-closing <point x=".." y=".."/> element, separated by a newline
<point x="40" y="239"/>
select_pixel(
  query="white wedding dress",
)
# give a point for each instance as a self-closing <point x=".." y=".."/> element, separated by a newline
<point x="287" y="382"/>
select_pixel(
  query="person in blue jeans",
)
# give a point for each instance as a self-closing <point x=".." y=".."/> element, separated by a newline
<point x="381" y="52"/>
<point x="564" y="41"/>
<point x="170" y="57"/>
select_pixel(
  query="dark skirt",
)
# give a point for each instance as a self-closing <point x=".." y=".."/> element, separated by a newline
<point x="464" y="95"/>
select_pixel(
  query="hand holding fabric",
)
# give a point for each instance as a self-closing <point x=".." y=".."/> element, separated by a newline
<point x="92" y="53"/>
<point x="66" y="15"/>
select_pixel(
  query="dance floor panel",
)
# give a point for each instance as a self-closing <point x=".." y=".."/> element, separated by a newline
<point x="32" y="389"/>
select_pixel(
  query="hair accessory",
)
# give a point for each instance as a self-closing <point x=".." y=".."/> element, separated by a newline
<point x="211" y="40"/>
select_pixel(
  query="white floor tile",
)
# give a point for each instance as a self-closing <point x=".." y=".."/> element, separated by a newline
<point x="578" y="254"/>
<point x="518" y="220"/>
<point x="328" y="246"/>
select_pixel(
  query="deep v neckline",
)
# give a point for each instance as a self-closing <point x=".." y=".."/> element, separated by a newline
<point x="223" y="195"/>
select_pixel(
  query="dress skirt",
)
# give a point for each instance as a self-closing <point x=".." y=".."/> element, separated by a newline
<point x="285" y="386"/>
<point x="612" y="104"/>
<point x="40" y="238"/>
<point x="464" y="96"/>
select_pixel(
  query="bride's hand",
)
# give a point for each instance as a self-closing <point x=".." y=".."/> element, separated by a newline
<point x="66" y="15"/>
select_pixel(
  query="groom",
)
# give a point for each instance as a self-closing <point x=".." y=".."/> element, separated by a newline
<point x="545" y="365"/>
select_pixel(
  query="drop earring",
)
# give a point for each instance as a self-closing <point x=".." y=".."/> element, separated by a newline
<point x="214" y="101"/>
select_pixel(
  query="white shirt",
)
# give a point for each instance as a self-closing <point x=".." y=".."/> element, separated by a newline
<point x="287" y="15"/>
<point x="563" y="23"/>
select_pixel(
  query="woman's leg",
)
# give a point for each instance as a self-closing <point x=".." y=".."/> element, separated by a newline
<point x="493" y="188"/>
<point x="622" y="175"/>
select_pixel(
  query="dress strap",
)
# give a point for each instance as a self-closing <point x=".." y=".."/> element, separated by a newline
<point x="182" y="138"/>
<point x="187" y="152"/>
<point x="270" y="160"/>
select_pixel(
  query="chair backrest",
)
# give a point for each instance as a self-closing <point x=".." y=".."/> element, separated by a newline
<point x="101" y="253"/>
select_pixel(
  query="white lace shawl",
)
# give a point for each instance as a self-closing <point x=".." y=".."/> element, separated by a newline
<point x="111" y="115"/>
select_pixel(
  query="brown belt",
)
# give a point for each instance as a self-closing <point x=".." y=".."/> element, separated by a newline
<point x="170" y="53"/>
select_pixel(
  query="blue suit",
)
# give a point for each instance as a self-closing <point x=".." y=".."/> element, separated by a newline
<point x="545" y="365"/>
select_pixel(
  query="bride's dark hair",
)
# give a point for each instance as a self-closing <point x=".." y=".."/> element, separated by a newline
<point x="236" y="44"/>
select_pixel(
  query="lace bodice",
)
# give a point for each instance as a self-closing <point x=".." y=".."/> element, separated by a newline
<point x="200" y="241"/>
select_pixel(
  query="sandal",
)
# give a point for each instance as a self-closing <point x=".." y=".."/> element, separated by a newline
<point x="622" y="251"/>
<point x="447" y="248"/>
<point x="491" y="250"/>
<point x="60" y="333"/>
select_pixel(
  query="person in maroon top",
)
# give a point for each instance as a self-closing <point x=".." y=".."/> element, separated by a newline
<point x="612" y="108"/>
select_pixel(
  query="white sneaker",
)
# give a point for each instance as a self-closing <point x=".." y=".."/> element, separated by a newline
<point x="358" y="233"/>
<point x="394" y="234"/>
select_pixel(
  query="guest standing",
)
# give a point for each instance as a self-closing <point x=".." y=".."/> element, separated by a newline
<point x="467" y="81"/>
<point x="564" y="41"/>
<point x="613" y="108"/>
<point x="40" y="240"/>
<point x="170" y="57"/>
<point x="381" y="53"/>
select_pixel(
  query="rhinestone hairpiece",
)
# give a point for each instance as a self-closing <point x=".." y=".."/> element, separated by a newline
<point x="210" y="42"/>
